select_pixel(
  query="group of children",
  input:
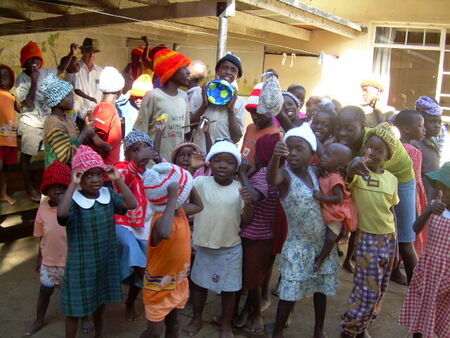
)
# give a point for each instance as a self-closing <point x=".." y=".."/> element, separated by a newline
<point x="299" y="185"/>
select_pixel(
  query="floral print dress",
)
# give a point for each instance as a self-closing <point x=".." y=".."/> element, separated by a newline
<point x="305" y="239"/>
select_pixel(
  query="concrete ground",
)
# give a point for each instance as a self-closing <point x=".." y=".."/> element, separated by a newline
<point x="19" y="285"/>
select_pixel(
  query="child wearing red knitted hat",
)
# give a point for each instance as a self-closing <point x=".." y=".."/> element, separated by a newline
<point x="166" y="286"/>
<point x="88" y="215"/>
<point x="53" y="241"/>
<point x="171" y="67"/>
<point x="33" y="109"/>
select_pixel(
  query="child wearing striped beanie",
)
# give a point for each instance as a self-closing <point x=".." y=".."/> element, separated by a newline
<point x="170" y="101"/>
<point x="166" y="286"/>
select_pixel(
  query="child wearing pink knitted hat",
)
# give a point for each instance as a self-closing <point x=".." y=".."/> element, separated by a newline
<point x="166" y="286"/>
<point x="88" y="215"/>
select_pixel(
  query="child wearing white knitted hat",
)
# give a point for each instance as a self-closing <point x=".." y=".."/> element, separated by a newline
<point x="166" y="286"/>
<point x="218" y="260"/>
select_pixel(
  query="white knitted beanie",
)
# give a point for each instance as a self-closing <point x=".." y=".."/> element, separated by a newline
<point x="305" y="132"/>
<point x="224" y="146"/>
<point x="158" y="178"/>
<point x="111" y="81"/>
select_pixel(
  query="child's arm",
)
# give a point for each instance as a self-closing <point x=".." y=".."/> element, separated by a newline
<point x="195" y="204"/>
<point x="337" y="197"/>
<point x="243" y="175"/>
<point x="233" y="125"/>
<point x="144" y="57"/>
<point x="358" y="166"/>
<point x="247" y="213"/>
<point x="66" y="61"/>
<point x="80" y="93"/>
<point x="64" y="205"/>
<point x="29" y="99"/>
<point x="163" y="226"/>
<point x="160" y="128"/>
<point x="275" y="176"/>
<point x="285" y="121"/>
<point x="434" y="207"/>
<point x="330" y="241"/>
<point x="130" y="201"/>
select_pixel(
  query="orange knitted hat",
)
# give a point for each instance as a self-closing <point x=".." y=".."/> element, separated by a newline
<point x="167" y="62"/>
<point x="31" y="49"/>
<point x="141" y="85"/>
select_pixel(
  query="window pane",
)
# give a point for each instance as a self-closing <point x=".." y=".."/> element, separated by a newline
<point x="413" y="73"/>
<point x="398" y="35"/>
<point x="383" y="35"/>
<point x="447" y="62"/>
<point x="432" y="37"/>
<point x="444" y="101"/>
<point x="447" y="41"/>
<point x="445" y="84"/>
<point x="415" y="37"/>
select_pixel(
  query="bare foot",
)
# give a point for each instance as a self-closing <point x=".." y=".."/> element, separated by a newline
<point x="398" y="277"/>
<point x="35" y="327"/>
<point x="7" y="198"/>
<point x="131" y="314"/>
<point x="34" y="195"/>
<point x="193" y="327"/>
<point x="241" y="321"/>
<point x="265" y="304"/>
<point x="318" y="333"/>
<point x="255" y="325"/>
<point x="86" y="325"/>
<point x="226" y="331"/>
<point x="348" y="265"/>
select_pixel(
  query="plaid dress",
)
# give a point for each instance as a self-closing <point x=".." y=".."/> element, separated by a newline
<point x="426" y="308"/>
<point x="92" y="275"/>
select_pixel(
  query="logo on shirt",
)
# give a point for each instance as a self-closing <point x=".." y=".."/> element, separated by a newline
<point x="371" y="182"/>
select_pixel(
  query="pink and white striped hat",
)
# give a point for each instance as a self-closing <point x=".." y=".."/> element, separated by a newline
<point x="158" y="178"/>
<point x="86" y="158"/>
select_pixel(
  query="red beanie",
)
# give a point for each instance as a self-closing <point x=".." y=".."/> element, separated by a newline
<point x="31" y="49"/>
<point x="56" y="173"/>
<point x="253" y="99"/>
<point x="138" y="51"/>
<point x="167" y="62"/>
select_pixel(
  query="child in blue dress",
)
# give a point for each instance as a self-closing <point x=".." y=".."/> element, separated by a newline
<point x="92" y="268"/>
<point x="306" y="229"/>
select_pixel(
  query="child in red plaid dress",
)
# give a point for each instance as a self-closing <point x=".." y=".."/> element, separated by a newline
<point x="426" y="307"/>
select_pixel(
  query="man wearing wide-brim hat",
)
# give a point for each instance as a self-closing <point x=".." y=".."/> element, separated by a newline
<point x="87" y="79"/>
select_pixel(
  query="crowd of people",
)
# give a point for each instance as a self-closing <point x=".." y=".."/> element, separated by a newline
<point x="136" y="161"/>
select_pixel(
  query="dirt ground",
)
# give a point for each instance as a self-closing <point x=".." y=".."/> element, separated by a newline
<point x="19" y="285"/>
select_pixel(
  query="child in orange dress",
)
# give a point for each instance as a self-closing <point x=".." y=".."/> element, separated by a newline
<point x="166" y="286"/>
<point x="8" y="134"/>
<point x="339" y="212"/>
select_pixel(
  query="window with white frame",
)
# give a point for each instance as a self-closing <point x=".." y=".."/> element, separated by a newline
<point x="416" y="62"/>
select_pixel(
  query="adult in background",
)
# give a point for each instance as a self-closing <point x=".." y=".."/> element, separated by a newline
<point x="87" y="79"/>
<point x="229" y="119"/>
<point x="134" y="69"/>
<point x="376" y="111"/>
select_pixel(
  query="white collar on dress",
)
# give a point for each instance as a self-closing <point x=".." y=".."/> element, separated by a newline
<point x="446" y="214"/>
<point x="104" y="197"/>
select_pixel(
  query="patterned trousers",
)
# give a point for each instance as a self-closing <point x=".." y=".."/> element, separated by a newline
<point x="374" y="259"/>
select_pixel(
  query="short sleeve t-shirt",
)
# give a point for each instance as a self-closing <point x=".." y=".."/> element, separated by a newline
<point x="33" y="117"/>
<point x="87" y="81"/>
<point x="8" y="135"/>
<point x="252" y="134"/>
<point x="220" y="128"/>
<point x="374" y="196"/>
<point x="265" y="211"/>
<point x="154" y="104"/>
<point x="218" y="224"/>
<point x="109" y="128"/>
<point x="54" y="240"/>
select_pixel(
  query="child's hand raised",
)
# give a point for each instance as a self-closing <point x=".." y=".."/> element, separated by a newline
<point x="246" y="196"/>
<point x="172" y="190"/>
<point x="197" y="160"/>
<point x="76" y="176"/>
<point x="244" y="167"/>
<point x="112" y="173"/>
<point x="281" y="150"/>
<point x="436" y="206"/>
